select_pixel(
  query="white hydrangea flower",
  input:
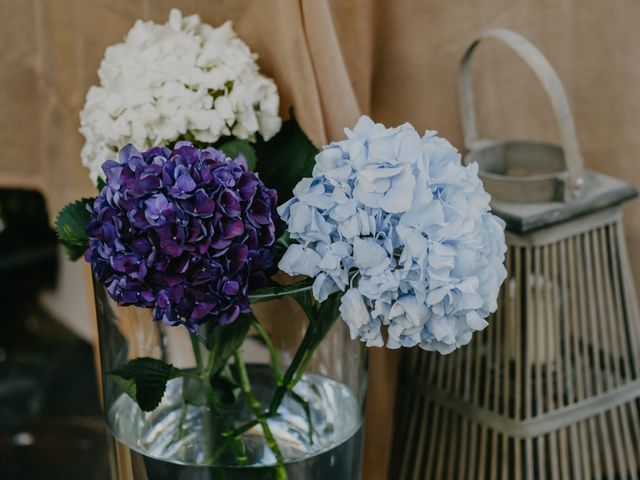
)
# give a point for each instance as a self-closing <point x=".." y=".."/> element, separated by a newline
<point x="182" y="79"/>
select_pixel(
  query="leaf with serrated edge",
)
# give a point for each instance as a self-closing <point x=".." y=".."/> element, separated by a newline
<point x="150" y="377"/>
<point x="71" y="228"/>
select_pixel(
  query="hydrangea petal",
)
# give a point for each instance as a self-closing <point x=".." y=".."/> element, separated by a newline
<point x="162" y="236"/>
<point x="168" y="80"/>
<point x="426" y="253"/>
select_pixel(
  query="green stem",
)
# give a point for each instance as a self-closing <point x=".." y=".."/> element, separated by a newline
<point x="321" y="331"/>
<point x="302" y="368"/>
<point x="301" y="358"/>
<point x="307" y="411"/>
<point x="275" y="359"/>
<point x="195" y="345"/>
<point x="322" y="323"/>
<point x="282" y="389"/>
<point x="312" y="338"/>
<point x="204" y="375"/>
<point x="254" y="404"/>
<point x="257" y="297"/>
<point x="227" y="432"/>
<point x="188" y="374"/>
<point x="244" y="427"/>
<point x="183" y="416"/>
<point x="211" y="362"/>
<point x="230" y="438"/>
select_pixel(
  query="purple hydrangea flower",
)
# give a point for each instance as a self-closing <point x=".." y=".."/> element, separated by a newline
<point x="186" y="232"/>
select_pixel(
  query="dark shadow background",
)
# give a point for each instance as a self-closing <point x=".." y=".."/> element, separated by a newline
<point x="50" y="421"/>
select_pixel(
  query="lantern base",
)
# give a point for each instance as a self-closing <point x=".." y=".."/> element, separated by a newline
<point x="551" y="388"/>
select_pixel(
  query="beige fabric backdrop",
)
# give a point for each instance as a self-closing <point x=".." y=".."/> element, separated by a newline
<point x="396" y="60"/>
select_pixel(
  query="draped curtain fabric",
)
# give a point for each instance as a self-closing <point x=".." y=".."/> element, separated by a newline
<point x="332" y="60"/>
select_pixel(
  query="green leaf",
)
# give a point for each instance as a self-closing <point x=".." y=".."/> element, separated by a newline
<point x="223" y="340"/>
<point x="286" y="159"/>
<point x="284" y="241"/>
<point x="71" y="228"/>
<point x="127" y="386"/>
<point x="330" y="308"/>
<point x="236" y="147"/>
<point x="101" y="184"/>
<point x="145" y="380"/>
<point x="275" y="291"/>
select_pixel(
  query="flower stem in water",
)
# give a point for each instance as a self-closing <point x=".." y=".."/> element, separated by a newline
<point x="255" y="405"/>
<point x="275" y="359"/>
<point x="282" y="389"/>
<point x="195" y="345"/>
<point x="204" y="375"/>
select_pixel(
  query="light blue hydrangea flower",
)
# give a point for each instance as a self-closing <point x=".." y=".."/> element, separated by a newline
<point x="405" y="230"/>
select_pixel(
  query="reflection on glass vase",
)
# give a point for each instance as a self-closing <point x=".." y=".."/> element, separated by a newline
<point x="287" y="404"/>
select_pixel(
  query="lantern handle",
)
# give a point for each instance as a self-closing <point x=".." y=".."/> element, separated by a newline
<point x="552" y="85"/>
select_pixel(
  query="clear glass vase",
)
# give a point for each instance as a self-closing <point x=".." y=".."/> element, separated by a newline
<point x="282" y="407"/>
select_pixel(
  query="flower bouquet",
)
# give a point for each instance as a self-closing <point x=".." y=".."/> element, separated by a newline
<point x="209" y="209"/>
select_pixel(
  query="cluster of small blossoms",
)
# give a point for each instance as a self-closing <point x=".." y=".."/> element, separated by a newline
<point x="186" y="232"/>
<point x="182" y="79"/>
<point x="397" y="222"/>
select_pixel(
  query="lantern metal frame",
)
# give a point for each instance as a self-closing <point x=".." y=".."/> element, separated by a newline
<point x="551" y="388"/>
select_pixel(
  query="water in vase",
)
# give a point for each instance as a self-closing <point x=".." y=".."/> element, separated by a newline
<point x="177" y="440"/>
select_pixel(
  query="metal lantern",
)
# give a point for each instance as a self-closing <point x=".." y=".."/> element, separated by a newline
<point x="551" y="388"/>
